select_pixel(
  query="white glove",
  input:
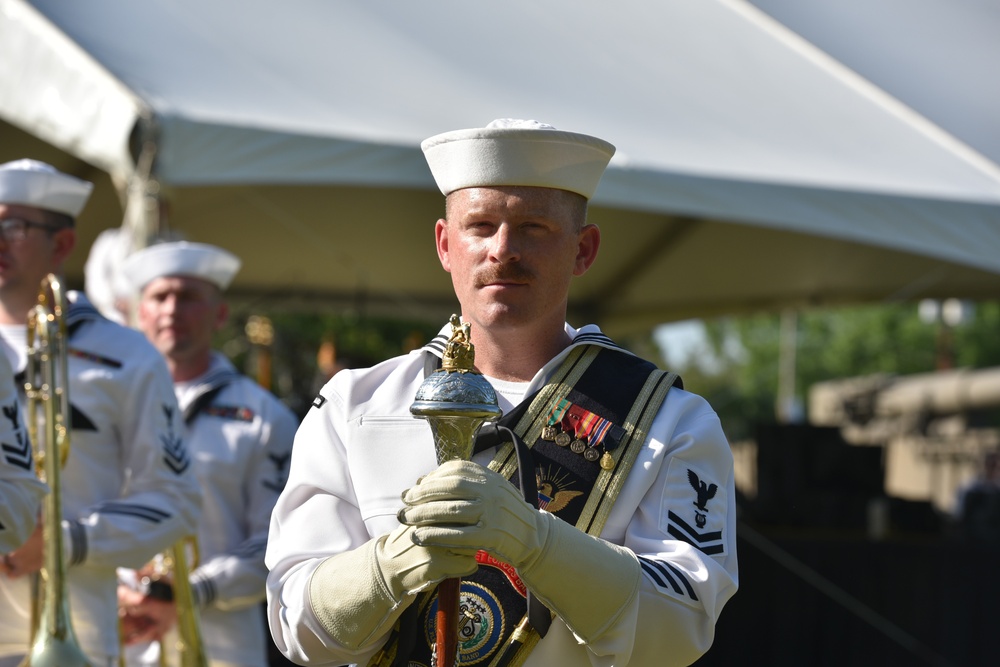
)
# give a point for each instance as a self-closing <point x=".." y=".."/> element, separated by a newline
<point x="468" y="507"/>
<point x="357" y="595"/>
<point x="463" y="506"/>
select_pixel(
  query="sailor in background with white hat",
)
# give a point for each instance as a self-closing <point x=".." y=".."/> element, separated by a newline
<point x="634" y="548"/>
<point x="127" y="488"/>
<point x="240" y="437"/>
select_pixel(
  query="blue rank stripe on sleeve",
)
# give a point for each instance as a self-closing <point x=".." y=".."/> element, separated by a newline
<point x="667" y="577"/>
<point x="79" y="546"/>
<point x="145" y="512"/>
<point x="204" y="589"/>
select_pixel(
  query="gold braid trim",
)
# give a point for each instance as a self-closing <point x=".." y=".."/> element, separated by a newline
<point x="610" y="482"/>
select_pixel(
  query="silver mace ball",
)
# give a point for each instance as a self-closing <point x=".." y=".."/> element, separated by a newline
<point x="456" y="399"/>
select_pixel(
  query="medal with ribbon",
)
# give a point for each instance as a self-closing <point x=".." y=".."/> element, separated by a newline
<point x="584" y="432"/>
<point x="551" y="431"/>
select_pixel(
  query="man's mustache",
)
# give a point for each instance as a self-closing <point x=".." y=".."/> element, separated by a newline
<point x="514" y="273"/>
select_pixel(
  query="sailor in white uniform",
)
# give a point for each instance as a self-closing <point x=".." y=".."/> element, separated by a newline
<point x="128" y="489"/>
<point x="20" y="489"/>
<point x="240" y="437"/>
<point x="630" y="543"/>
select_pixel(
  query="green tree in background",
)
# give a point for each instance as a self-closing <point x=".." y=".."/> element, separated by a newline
<point x="738" y="373"/>
<point x="301" y="341"/>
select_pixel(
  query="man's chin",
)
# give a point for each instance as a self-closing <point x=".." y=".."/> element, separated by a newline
<point x="499" y="317"/>
<point x="168" y="346"/>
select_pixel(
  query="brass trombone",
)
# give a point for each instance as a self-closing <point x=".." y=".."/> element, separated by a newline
<point x="183" y="648"/>
<point x="53" y="642"/>
<point x="189" y="644"/>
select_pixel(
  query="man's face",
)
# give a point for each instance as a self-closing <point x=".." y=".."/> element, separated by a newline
<point x="24" y="263"/>
<point x="180" y="314"/>
<point x="512" y="252"/>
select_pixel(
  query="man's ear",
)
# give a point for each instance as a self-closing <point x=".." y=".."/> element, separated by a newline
<point x="63" y="242"/>
<point x="441" y="242"/>
<point x="221" y="314"/>
<point x="590" y="241"/>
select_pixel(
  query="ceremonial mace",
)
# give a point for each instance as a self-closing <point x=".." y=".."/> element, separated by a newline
<point x="455" y="400"/>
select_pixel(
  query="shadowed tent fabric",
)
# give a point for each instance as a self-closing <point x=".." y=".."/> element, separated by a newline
<point x="752" y="171"/>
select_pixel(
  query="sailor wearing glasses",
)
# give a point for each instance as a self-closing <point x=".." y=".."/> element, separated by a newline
<point x="128" y="488"/>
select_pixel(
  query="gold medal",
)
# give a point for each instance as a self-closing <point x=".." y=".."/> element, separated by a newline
<point x="591" y="454"/>
<point x="549" y="432"/>
<point x="563" y="438"/>
<point x="578" y="446"/>
<point x="607" y="463"/>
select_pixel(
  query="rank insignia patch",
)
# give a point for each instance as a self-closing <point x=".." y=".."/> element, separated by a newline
<point x="696" y="509"/>
<point x="18" y="454"/>
<point x="280" y="462"/>
<point x="175" y="453"/>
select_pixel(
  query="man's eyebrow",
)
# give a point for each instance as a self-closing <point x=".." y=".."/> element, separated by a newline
<point x="489" y="212"/>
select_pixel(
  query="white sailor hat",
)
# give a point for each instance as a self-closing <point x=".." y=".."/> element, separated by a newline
<point x="181" y="258"/>
<point x="517" y="152"/>
<point x="33" y="183"/>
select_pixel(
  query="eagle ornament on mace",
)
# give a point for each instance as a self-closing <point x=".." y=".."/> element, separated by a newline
<point x="455" y="400"/>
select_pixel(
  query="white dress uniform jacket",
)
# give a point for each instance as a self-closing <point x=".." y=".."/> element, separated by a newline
<point x="20" y="489"/>
<point x="129" y="490"/>
<point x="359" y="448"/>
<point x="240" y="437"/>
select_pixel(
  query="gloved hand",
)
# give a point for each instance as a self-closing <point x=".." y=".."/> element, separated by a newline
<point x="463" y="507"/>
<point x="467" y="507"/>
<point x="408" y="568"/>
<point x="357" y="595"/>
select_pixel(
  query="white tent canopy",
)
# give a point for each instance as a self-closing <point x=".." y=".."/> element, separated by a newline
<point x="939" y="57"/>
<point x="752" y="170"/>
